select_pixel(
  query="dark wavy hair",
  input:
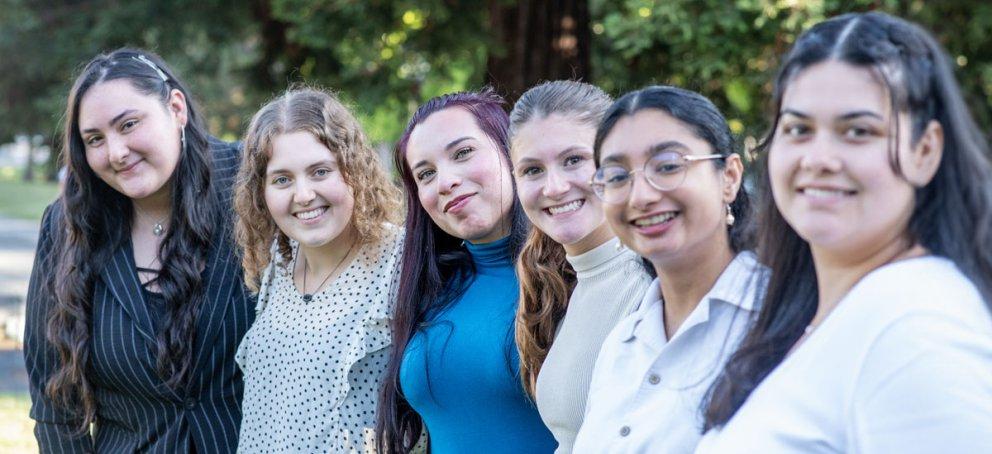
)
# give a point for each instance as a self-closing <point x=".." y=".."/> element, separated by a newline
<point x="97" y="220"/>
<point x="436" y="267"/>
<point x="706" y="122"/>
<point x="952" y="216"/>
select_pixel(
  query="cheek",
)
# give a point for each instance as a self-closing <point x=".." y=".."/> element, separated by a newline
<point x="96" y="159"/>
<point x="273" y="199"/>
<point x="428" y="199"/>
<point x="530" y="193"/>
<point x="780" y="169"/>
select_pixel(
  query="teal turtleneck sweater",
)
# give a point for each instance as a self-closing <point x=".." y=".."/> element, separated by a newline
<point x="460" y="372"/>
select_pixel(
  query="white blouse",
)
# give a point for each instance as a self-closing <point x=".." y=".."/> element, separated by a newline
<point x="902" y="365"/>
<point x="312" y="370"/>
<point x="646" y="389"/>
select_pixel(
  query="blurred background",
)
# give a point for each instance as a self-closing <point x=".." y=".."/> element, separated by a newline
<point x="384" y="58"/>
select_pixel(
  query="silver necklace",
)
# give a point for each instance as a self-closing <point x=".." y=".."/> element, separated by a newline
<point x="157" y="228"/>
<point x="307" y="297"/>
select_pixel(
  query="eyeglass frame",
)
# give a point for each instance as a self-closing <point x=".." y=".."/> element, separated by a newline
<point x="689" y="158"/>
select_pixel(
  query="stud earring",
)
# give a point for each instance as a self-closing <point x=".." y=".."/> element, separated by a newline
<point x="730" y="216"/>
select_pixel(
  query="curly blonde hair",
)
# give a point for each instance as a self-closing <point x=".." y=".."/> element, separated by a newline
<point x="319" y="112"/>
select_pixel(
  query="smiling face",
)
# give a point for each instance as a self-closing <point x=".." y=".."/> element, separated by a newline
<point x="679" y="225"/>
<point x="463" y="181"/>
<point x="829" y="162"/>
<point x="552" y="164"/>
<point x="132" y="141"/>
<point x="305" y="192"/>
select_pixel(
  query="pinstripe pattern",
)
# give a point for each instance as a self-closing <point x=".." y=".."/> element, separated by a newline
<point x="135" y="410"/>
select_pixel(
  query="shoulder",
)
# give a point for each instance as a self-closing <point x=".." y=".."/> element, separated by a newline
<point x="226" y="156"/>
<point x="925" y="286"/>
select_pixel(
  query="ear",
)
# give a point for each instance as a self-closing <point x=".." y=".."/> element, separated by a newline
<point x="177" y="107"/>
<point x="924" y="158"/>
<point x="733" y="176"/>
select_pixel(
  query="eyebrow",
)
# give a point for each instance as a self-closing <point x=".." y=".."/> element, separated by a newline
<point x="847" y="116"/>
<point x="324" y="162"/>
<point x="449" y="146"/>
<point x="113" y="121"/>
<point x="666" y="145"/>
<point x="561" y="153"/>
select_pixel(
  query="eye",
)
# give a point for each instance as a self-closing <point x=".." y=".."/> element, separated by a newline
<point x="531" y="171"/>
<point x="668" y="167"/>
<point x="280" y="180"/>
<point x="128" y="125"/>
<point x="322" y="172"/>
<point x="858" y="132"/>
<point x="424" y="175"/>
<point x="615" y="176"/>
<point x="795" y="130"/>
<point x="574" y="160"/>
<point x="93" y="140"/>
<point x="462" y="153"/>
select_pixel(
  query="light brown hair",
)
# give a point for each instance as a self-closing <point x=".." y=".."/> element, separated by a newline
<point x="546" y="278"/>
<point x="318" y="112"/>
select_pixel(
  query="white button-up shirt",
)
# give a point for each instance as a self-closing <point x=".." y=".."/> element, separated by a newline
<point x="646" y="389"/>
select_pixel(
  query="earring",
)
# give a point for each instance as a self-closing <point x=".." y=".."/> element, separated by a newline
<point x="730" y="216"/>
<point x="182" y="139"/>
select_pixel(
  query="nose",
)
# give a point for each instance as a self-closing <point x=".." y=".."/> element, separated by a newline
<point x="555" y="186"/>
<point x="642" y="194"/>
<point x="447" y="181"/>
<point x="117" y="150"/>
<point x="304" y="194"/>
<point x="821" y="157"/>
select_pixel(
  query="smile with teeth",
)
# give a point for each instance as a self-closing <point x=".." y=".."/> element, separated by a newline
<point x="656" y="219"/>
<point x="310" y="214"/>
<point x="821" y="192"/>
<point x="565" y="207"/>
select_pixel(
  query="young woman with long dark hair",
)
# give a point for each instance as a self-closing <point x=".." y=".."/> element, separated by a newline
<point x="876" y="334"/>
<point x="136" y="306"/>
<point x="315" y="356"/>
<point x="671" y="186"/>
<point x="453" y="374"/>
<point x="576" y="280"/>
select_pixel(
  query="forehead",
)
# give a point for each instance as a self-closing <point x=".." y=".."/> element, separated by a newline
<point x="834" y="87"/>
<point x="550" y="135"/>
<point x="298" y="149"/>
<point x="429" y="139"/>
<point x="105" y="100"/>
<point x="634" y="135"/>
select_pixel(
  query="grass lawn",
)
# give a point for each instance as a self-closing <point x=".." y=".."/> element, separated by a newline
<point x="21" y="200"/>
<point x="16" y="430"/>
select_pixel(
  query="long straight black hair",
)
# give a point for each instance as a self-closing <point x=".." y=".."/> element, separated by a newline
<point x="952" y="216"/>
<point x="97" y="220"/>
<point x="436" y="267"/>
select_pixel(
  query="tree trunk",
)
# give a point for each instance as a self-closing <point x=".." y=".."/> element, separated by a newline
<point x="537" y="40"/>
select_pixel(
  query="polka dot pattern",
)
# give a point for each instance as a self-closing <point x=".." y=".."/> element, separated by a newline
<point x="313" y="370"/>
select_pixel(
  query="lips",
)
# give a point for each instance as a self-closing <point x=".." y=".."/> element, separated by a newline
<point x="564" y="208"/>
<point x="655" y="219"/>
<point x="128" y="167"/>
<point x="826" y="192"/>
<point x="457" y="203"/>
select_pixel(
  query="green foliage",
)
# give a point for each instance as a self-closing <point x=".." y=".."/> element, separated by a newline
<point x="384" y="57"/>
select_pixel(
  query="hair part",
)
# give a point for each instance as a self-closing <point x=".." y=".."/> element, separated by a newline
<point x="93" y="228"/>
<point x="436" y="269"/>
<point x="546" y="277"/>
<point x="952" y="215"/>
<point x="321" y="114"/>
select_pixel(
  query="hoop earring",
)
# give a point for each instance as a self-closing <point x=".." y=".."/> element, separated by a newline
<point x="730" y="216"/>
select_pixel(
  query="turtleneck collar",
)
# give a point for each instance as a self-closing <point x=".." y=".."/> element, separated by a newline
<point x="586" y="263"/>
<point x="491" y="255"/>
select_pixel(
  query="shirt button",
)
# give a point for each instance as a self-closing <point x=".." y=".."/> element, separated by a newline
<point x="654" y="379"/>
<point x="624" y="431"/>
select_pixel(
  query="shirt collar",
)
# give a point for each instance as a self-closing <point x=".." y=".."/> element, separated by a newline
<point x="739" y="285"/>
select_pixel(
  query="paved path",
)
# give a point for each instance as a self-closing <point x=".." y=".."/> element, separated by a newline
<point x="17" y="243"/>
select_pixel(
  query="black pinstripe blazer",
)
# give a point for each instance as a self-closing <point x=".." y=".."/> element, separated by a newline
<point x="136" y="412"/>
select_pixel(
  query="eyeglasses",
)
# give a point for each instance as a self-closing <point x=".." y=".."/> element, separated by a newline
<point x="665" y="171"/>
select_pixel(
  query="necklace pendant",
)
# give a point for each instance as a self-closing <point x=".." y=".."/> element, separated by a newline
<point x="307" y="297"/>
<point x="158" y="229"/>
